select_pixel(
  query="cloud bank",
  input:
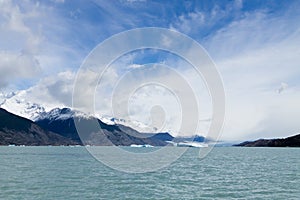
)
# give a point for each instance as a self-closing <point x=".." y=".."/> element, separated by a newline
<point x="255" y="48"/>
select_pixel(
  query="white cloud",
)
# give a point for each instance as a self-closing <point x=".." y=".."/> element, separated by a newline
<point x="198" y="22"/>
<point x="53" y="91"/>
<point x="150" y="86"/>
<point x="14" y="67"/>
<point x="56" y="91"/>
<point x="254" y="31"/>
<point x="19" y="44"/>
<point x="35" y="32"/>
<point x="255" y="55"/>
<point x="134" y="66"/>
<point x="282" y="87"/>
<point x="59" y="1"/>
<point x="190" y="21"/>
<point x="14" y="27"/>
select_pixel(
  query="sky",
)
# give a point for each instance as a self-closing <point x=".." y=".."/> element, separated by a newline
<point x="254" y="45"/>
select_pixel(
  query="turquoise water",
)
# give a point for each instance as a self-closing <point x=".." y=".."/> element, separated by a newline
<point x="226" y="173"/>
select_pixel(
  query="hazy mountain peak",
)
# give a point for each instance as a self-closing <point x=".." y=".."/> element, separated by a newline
<point x="137" y="125"/>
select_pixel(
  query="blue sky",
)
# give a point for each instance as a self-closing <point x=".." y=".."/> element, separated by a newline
<point x="253" y="43"/>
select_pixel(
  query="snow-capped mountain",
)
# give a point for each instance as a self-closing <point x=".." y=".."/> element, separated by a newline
<point x="61" y="121"/>
<point x="67" y="113"/>
<point x="16" y="130"/>
<point x="137" y="125"/>
<point x="16" y="104"/>
<point x="4" y="96"/>
<point x="61" y="114"/>
<point x="65" y="122"/>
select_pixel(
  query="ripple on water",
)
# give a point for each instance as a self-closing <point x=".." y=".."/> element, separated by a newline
<point x="233" y="173"/>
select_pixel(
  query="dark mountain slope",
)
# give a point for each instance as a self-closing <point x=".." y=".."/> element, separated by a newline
<point x="20" y="131"/>
<point x="94" y="131"/>
<point x="293" y="141"/>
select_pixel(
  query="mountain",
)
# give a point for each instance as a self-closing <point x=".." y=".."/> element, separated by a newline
<point x="137" y="125"/>
<point x="20" y="131"/>
<point x="62" y="121"/>
<point x="152" y="131"/>
<point x="16" y="104"/>
<point x="163" y="136"/>
<point x="293" y="141"/>
<point x="19" y="104"/>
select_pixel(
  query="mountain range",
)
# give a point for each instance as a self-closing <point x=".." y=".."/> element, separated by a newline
<point x="27" y="123"/>
<point x="57" y="127"/>
<point x="18" y="104"/>
<point x="60" y="122"/>
<point x="63" y="121"/>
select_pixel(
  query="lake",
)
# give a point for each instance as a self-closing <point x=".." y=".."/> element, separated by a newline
<point x="226" y="173"/>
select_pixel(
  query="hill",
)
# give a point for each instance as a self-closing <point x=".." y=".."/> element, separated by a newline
<point x="293" y="141"/>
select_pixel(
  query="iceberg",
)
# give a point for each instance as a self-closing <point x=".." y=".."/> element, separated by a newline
<point x="141" y="145"/>
<point x="192" y="144"/>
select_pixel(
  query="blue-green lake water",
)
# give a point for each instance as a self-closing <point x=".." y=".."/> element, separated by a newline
<point x="226" y="173"/>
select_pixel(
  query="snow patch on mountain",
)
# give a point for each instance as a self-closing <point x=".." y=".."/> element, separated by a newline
<point x="62" y="114"/>
<point x="137" y="125"/>
<point x="105" y="119"/>
<point x="18" y="104"/>
<point x="14" y="103"/>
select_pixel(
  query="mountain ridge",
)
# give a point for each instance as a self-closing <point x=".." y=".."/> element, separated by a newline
<point x="17" y="130"/>
<point x="292" y="141"/>
<point x="60" y="121"/>
<point x="93" y="131"/>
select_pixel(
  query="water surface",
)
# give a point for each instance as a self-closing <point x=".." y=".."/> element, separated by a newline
<point x="226" y="173"/>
